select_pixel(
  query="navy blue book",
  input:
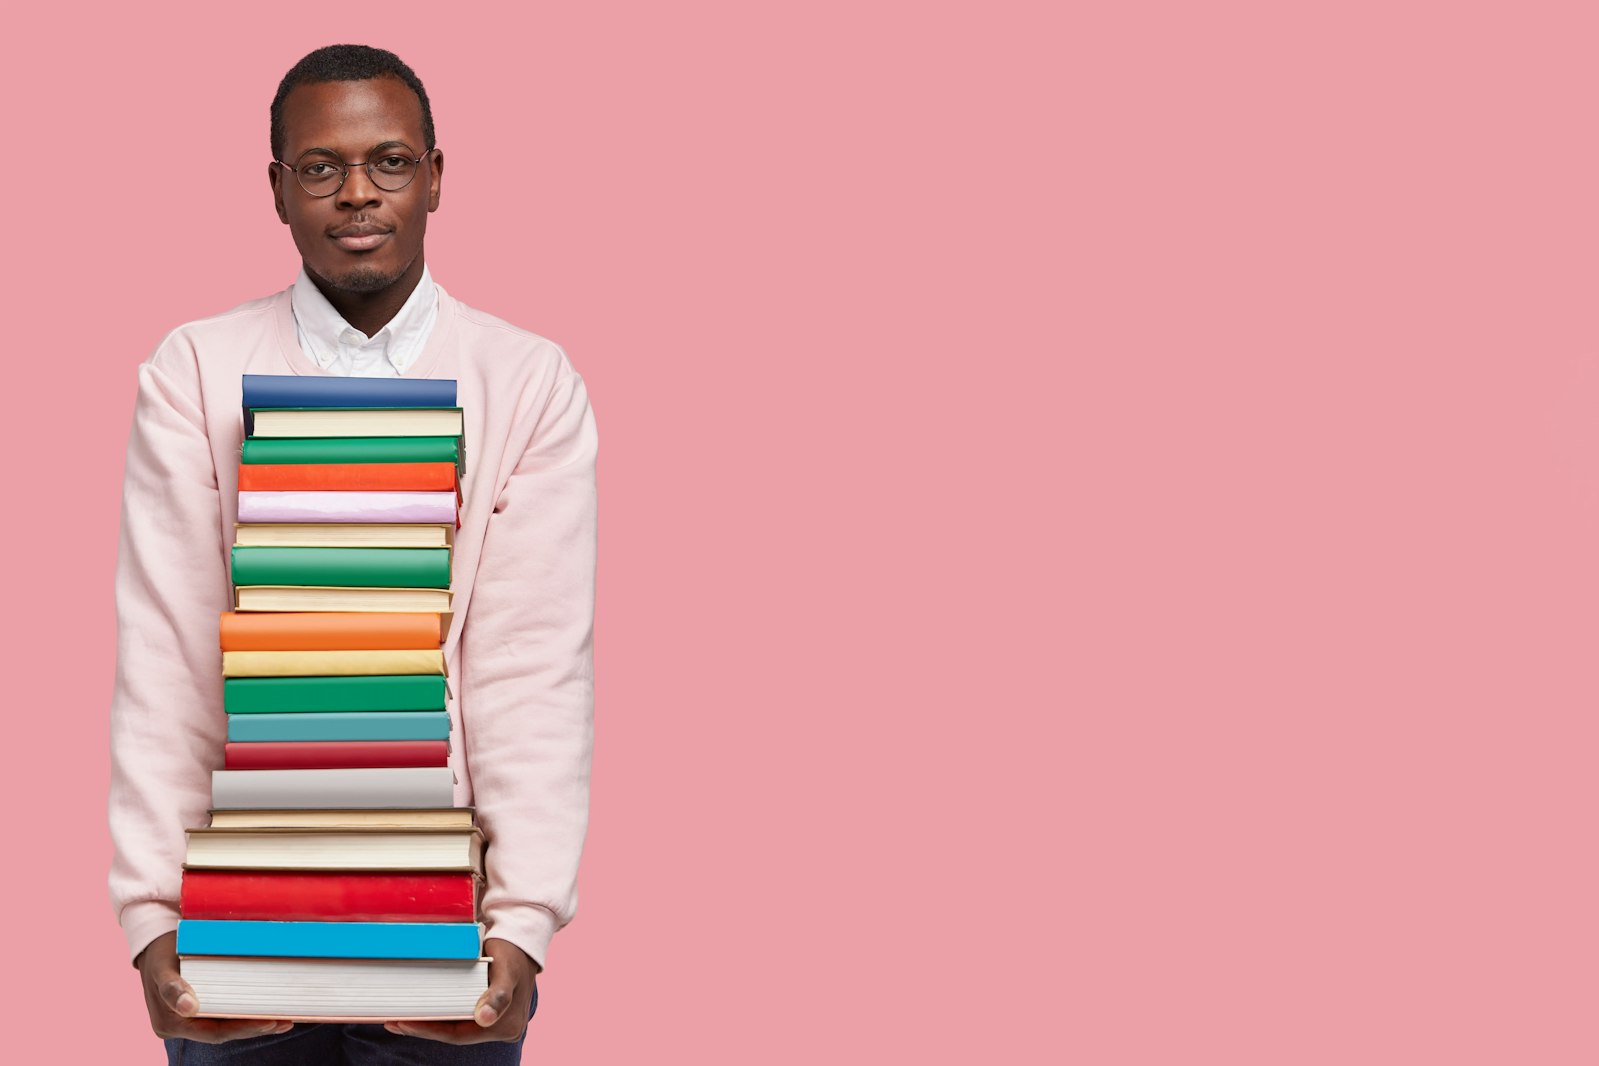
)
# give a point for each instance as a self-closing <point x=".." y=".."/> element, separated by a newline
<point x="331" y="940"/>
<point x="295" y="390"/>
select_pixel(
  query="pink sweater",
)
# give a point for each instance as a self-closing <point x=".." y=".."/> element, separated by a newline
<point x="519" y="651"/>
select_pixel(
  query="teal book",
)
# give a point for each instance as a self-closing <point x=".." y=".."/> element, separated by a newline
<point x="331" y="940"/>
<point x="304" y="450"/>
<point x="341" y="725"/>
<point x="369" y="692"/>
<point x="381" y="568"/>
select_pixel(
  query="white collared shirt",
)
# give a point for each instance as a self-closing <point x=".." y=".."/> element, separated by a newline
<point x="340" y="348"/>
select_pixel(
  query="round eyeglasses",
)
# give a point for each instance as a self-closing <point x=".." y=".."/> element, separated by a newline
<point x="322" y="173"/>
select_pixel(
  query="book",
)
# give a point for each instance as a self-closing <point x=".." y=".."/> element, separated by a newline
<point x="374" y="818"/>
<point x="362" y="786"/>
<point x="375" y="692"/>
<point x="331" y="631"/>
<point x="431" y="508"/>
<point x="322" y="598"/>
<point x="331" y="940"/>
<point x="332" y="663"/>
<point x="295" y="896"/>
<point x="332" y="754"/>
<point x="330" y="848"/>
<point x="343" y="567"/>
<point x="365" y="422"/>
<point x="340" y="725"/>
<point x="348" y="477"/>
<point x="343" y="535"/>
<point x="296" y="390"/>
<point x="335" y="990"/>
<point x="355" y="450"/>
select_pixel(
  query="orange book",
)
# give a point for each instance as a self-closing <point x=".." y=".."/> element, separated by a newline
<point x="350" y="477"/>
<point x="332" y="631"/>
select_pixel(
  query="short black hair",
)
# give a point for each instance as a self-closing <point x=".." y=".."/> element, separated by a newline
<point x="347" y="62"/>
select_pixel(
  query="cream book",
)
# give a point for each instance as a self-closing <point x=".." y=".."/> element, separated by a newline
<point x="341" y="535"/>
<point x="335" y="848"/>
<point x="347" y="818"/>
<point x="335" y="990"/>
<point x="328" y="598"/>
<point x="357" y="422"/>
<point x="332" y="663"/>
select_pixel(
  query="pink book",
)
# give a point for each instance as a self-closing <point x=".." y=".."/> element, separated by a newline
<point x="431" y="507"/>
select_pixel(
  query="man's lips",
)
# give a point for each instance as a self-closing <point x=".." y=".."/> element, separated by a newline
<point x="360" y="236"/>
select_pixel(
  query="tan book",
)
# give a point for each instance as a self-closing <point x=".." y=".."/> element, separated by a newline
<point x="330" y="818"/>
<point x="358" y="422"/>
<point x="328" y="598"/>
<point x="332" y="663"/>
<point x="341" y="848"/>
<point x="341" y="535"/>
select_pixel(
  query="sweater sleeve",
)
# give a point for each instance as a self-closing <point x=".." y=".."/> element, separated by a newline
<point x="167" y="726"/>
<point x="527" y="675"/>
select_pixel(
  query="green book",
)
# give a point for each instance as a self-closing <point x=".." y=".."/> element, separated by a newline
<point x="367" y="568"/>
<point x="354" y="450"/>
<point x="372" y="692"/>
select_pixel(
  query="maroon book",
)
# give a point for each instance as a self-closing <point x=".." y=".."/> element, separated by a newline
<point x="333" y="754"/>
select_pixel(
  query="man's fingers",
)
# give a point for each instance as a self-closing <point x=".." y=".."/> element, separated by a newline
<point x="215" y="1031"/>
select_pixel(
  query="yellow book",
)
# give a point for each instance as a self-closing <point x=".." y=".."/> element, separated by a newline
<point x="332" y="663"/>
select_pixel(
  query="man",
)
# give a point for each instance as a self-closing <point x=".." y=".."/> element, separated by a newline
<point x="356" y="172"/>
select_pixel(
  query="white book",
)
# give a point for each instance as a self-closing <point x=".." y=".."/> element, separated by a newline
<point x="367" y="786"/>
<point x="335" y="848"/>
<point x="335" y="990"/>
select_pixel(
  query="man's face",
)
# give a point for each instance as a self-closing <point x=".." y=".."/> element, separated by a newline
<point x="362" y="238"/>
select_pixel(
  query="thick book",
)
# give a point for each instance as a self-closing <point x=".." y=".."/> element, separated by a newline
<point x="294" y="896"/>
<point x="332" y="663"/>
<point x="335" y="990"/>
<point x="342" y="848"/>
<point x="323" y="598"/>
<point x="385" y="692"/>
<point x="340" y="725"/>
<point x="332" y="940"/>
<point x="296" y="390"/>
<point x="333" y="754"/>
<point x="348" y="477"/>
<point x="266" y="450"/>
<point x="367" y="422"/>
<point x="362" y="786"/>
<point x="331" y="631"/>
<point x="420" y="568"/>
<point x="329" y="817"/>
<point x="343" y="535"/>
<point x="428" y="508"/>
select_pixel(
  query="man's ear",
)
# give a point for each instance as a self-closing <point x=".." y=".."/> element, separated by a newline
<point x="437" y="174"/>
<point x="275" y="179"/>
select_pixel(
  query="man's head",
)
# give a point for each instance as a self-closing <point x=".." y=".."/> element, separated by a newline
<point x="350" y="103"/>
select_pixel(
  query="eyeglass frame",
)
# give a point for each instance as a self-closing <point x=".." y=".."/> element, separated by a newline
<point x="345" y="168"/>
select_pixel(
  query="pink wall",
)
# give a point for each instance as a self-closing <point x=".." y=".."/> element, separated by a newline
<point x="1098" y="520"/>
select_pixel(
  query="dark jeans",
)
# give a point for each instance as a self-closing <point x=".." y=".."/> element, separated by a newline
<point x="331" y="1043"/>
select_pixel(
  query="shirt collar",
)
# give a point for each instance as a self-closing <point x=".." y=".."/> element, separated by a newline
<point x="325" y="329"/>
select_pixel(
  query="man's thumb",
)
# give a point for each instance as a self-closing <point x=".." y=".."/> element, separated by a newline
<point x="491" y="1005"/>
<point x="177" y="995"/>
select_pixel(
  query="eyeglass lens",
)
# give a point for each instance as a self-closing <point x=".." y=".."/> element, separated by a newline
<point x="321" y="171"/>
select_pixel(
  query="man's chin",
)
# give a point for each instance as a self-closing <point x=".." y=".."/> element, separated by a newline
<point x="362" y="279"/>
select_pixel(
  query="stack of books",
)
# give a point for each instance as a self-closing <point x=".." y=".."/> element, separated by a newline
<point x="336" y="880"/>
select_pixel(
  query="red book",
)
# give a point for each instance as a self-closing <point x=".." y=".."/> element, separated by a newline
<point x="350" y="477"/>
<point x="285" y="896"/>
<point x="332" y="754"/>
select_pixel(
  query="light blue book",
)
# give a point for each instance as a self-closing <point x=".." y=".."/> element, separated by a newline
<point x="341" y="725"/>
<point x="332" y="940"/>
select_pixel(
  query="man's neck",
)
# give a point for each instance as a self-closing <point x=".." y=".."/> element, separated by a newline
<point x="371" y="311"/>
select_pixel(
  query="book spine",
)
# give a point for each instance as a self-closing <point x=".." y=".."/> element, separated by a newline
<point x="324" y="940"/>
<point x="293" y="390"/>
<point x="421" y="568"/>
<point x="332" y="663"/>
<point x="288" y="896"/>
<point x="364" y="787"/>
<point x="329" y="631"/>
<point x="358" y="725"/>
<point x="421" y="508"/>
<point x="348" y="477"/>
<point x="271" y="695"/>
<point x="333" y="754"/>
<point x="283" y="450"/>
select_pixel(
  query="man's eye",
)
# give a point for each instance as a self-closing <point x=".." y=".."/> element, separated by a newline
<point x="319" y="170"/>
<point x="393" y="162"/>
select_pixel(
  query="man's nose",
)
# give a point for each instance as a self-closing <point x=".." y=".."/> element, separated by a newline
<point x="358" y="189"/>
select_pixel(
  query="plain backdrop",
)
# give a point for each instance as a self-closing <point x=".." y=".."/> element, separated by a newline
<point x="1098" y="504"/>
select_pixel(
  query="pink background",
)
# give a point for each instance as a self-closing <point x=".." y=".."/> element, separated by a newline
<point x="1099" y="510"/>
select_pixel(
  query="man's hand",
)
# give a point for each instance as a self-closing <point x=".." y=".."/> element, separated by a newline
<point x="502" y="1009"/>
<point x="172" y="1003"/>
